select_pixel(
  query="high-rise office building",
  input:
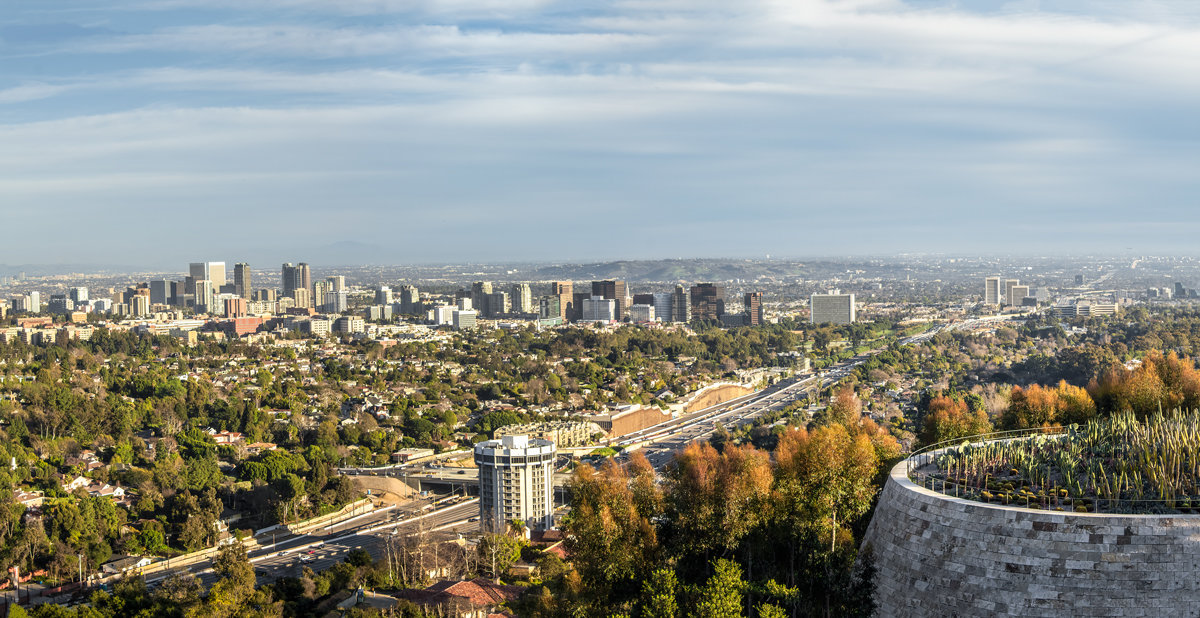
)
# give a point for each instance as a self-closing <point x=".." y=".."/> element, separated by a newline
<point x="336" y="302"/>
<point x="708" y="302"/>
<point x="295" y="278"/>
<point x="265" y="295"/>
<point x="681" y="306"/>
<point x="301" y="298"/>
<point x="1017" y="294"/>
<point x="752" y="301"/>
<point x="613" y="290"/>
<point x="410" y="300"/>
<point x="479" y="293"/>
<point x="236" y="307"/>
<point x="522" y="298"/>
<point x="833" y="308"/>
<point x="139" y="305"/>
<point x="79" y="295"/>
<point x="464" y="318"/>
<point x="383" y="295"/>
<point x="1009" y="284"/>
<point x="60" y="304"/>
<point x="497" y="303"/>
<point x="516" y="482"/>
<point x="641" y="313"/>
<point x="550" y="307"/>
<point x="662" y="306"/>
<point x="214" y="272"/>
<point x="241" y="280"/>
<point x="205" y="296"/>
<point x="991" y="291"/>
<point x="35" y="302"/>
<point x="577" y="299"/>
<point x="318" y="295"/>
<point x="563" y="290"/>
<point x="597" y="309"/>
<point x="337" y="283"/>
<point x="160" y="292"/>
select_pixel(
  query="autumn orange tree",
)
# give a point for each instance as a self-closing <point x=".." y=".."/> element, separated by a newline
<point x="947" y="419"/>
<point x="1042" y="406"/>
<point x="611" y="537"/>
<point x="1160" y="382"/>
<point x="788" y="522"/>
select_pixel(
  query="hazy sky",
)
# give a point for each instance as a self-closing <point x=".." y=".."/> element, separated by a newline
<point x="176" y="130"/>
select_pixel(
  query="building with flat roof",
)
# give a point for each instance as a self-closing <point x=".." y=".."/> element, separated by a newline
<point x="1009" y="284"/>
<point x="752" y="301"/>
<point x="831" y="308"/>
<point x="516" y="482"/>
<point x="596" y="309"/>
<point x="681" y="305"/>
<point x="241" y="280"/>
<point x="641" y="313"/>
<point x="563" y="290"/>
<point x="991" y="291"/>
<point x="615" y="290"/>
<point x="298" y="277"/>
<point x="708" y="302"/>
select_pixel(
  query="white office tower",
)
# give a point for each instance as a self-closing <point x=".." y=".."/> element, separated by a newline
<point x="79" y="295"/>
<point x="597" y="309"/>
<point x="516" y="482"/>
<point x="444" y="314"/>
<point x="337" y="283"/>
<point x="464" y="319"/>
<point x="991" y="291"/>
<point x="35" y="302"/>
<point x="641" y="313"/>
<point x="832" y="308"/>
<point x="383" y="295"/>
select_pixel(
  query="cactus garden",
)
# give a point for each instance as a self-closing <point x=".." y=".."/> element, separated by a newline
<point x="1116" y="464"/>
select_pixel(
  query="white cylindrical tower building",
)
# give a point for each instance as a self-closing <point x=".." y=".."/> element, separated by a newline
<point x="516" y="482"/>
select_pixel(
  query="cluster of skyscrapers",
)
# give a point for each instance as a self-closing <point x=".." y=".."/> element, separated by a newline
<point x="1008" y="292"/>
<point x="606" y="301"/>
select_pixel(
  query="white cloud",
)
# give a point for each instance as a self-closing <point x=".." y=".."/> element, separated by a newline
<point x="31" y="92"/>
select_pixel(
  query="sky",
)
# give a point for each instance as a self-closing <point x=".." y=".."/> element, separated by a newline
<point x="165" y="131"/>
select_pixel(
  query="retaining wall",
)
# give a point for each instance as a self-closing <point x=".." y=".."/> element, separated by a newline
<point x="940" y="556"/>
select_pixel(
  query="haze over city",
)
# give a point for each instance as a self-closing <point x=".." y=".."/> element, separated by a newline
<point x="538" y="130"/>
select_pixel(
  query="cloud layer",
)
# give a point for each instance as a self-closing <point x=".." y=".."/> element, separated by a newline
<point x="572" y="130"/>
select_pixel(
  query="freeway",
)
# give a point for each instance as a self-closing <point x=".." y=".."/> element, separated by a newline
<point x="322" y="548"/>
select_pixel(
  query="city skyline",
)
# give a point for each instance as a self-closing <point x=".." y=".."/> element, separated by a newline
<point x="600" y="130"/>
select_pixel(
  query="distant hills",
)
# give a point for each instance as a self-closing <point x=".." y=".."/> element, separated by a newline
<point x="672" y="270"/>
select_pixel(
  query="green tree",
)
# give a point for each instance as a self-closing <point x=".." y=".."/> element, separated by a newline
<point x="721" y="596"/>
<point x="659" y="595"/>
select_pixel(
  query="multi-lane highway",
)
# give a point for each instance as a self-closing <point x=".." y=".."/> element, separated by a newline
<point x="324" y="547"/>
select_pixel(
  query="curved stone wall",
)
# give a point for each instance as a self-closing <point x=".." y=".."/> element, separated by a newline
<point x="941" y="556"/>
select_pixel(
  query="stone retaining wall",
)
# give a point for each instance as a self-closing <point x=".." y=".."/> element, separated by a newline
<point x="941" y="556"/>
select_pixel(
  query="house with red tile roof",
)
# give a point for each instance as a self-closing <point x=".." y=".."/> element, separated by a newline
<point x="475" y="598"/>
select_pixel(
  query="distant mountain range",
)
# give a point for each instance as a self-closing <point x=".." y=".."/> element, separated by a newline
<point x="672" y="270"/>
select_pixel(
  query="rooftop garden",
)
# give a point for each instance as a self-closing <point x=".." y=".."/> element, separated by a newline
<point x="1116" y="464"/>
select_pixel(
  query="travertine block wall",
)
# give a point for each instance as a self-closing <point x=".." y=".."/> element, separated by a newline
<point x="941" y="556"/>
